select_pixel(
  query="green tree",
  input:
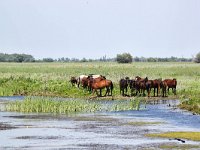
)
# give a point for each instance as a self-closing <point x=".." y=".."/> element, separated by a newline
<point x="124" y="58"/>
<point x="197" y="58"/>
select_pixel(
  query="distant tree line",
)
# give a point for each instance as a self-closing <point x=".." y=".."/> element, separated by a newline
<point x="167" y="59"/>
<point x="120" y="58"/>
<point x="16" y="58"/>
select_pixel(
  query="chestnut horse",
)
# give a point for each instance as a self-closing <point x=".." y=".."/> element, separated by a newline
<point x="156" y="86"/>
<point x="81" y="77"/>
<point x="171" y="83"/>
<point x="101" y="85"/>
<point x="163" y="86"/>
<point x="97" y="79"/>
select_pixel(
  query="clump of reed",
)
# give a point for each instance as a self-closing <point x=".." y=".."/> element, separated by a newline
<point x="59" y="106"/>
<point x="47" y="105"/>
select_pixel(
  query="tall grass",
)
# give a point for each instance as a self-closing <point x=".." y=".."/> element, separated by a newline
<point x="49" y="105"/>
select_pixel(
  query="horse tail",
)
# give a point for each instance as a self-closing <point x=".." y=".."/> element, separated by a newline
<point x="78" y="81"/>
<point x="111" y="87"/>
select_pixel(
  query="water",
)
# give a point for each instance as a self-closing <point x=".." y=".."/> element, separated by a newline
<point x="102" y="130"/>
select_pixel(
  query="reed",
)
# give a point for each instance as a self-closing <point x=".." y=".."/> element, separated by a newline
<point x="59" y="106"/>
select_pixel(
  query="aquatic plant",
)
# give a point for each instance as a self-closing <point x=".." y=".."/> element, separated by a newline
<point x="59" y="106"/>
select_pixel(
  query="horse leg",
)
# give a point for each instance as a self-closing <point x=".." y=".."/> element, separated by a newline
<point x="168" y="90"/>
<point x="154" y="91"/>
<point x="174" y="90"/>
<point x="143" y="91"/>
<point x="157" y="92"/>
<point x="100" y="92"/>
<point x="107" y="89"/>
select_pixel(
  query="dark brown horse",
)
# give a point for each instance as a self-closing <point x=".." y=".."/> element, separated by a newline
<point x="84" y="82"/>
<point x="101" y="85"/>
<point x="149" y="85"/>
<point x="132" y="85"/>
<point x="123" y="85"/>
<point x="140" y="85"/>
<point x="73" y="81"/>
<point x="171" y="83"/>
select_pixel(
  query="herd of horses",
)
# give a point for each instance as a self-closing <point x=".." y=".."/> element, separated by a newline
<point x="137" y="86"/>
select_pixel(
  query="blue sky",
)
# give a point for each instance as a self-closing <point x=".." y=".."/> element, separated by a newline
<point x="94" y="28"/>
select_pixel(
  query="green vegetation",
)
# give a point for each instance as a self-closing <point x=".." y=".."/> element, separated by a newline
<point x="58" y="106"/>
<point x="178" y="147"/>
<point x="124" y="58"/>
<point x="194" y="136"/>
<point x="197" y="58"/>
<point x="16" y="58"/>
<point x="45" y="105"/>
<point x="142" y="123"/>
<point x="52" y="79"/>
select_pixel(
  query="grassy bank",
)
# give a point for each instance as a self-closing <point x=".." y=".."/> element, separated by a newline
<point x="194" y="136"/>
<point x="52" y="79"/>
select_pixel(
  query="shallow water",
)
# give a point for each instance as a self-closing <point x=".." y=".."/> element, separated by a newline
<point x="102" y="130"/>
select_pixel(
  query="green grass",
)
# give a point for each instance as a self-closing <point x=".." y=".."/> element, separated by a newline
<point x="194" y="136"/>
<point x="52" y="79"/>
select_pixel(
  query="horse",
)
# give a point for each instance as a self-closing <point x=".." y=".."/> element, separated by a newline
<point x="132" y="85"/>
<point x="97" y="79"/>
<point x="101" y="85"/>
<point x="80" y="78"/>
<point x="156" y="85"/>
<point x="84" y="82"/>
<point x="163" y="86"/>
<point x="171" y="83"/>
<point x="73" y="81"/>
<point x="140" y="84"/>
<point x="123" y="84"/>
<point x="149" y="85"/>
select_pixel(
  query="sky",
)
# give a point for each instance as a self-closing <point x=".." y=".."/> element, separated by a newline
<point x="95" y="28"/>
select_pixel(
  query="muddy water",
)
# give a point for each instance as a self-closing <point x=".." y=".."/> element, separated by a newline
<point x="103" y="130"/>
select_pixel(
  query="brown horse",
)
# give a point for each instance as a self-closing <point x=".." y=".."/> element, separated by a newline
<point x="163" y="86"/>
<point x="140" y="85"/>
<point x="156" y="86"/>
<point x="132" y="85"/>
<point x="73" y="81"/>
<point x="123" y="85"/>
<point x="80" y="78"/>
<point x="84" y="82"/>
<point x="171" y="83"/>
<point x="149" y="85"/>
<point x="90" y="78"/>
<point x="101" y="85"/>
